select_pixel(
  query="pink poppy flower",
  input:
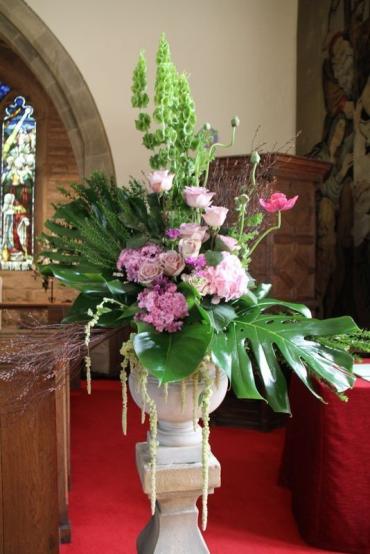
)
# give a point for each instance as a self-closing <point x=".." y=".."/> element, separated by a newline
<point x="278" y="202"/>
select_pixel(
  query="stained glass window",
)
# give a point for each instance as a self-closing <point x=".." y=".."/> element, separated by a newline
<point x="18" y="162"/>
<point x="4" y="90"/>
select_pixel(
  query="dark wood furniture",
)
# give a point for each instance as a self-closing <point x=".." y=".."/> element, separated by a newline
<point x="55" y="311"/>
<point x="287" y="259"/>
<point x="29" y="465"/>
<point x="55" y="429"/>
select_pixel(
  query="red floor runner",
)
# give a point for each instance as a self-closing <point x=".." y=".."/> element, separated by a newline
<point x="250" y="514"/>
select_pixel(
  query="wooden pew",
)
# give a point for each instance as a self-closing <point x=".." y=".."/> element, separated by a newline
<point x="54" y="430"/>
<point x="28" y="472"/>
<point x="62" y="405"/>
<point x="57" y="435"/>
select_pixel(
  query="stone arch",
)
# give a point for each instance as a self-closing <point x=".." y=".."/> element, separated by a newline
<point x="45" y="56"/>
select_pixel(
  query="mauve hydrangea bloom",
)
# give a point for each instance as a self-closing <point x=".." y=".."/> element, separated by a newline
<point x="173" y="233"/>
<point x="164" y="307"/>
<point x="278" y="202"/>
<point x="227" y="280"/>
<point x="197" y="263"/>
<point x="132" y="259"/>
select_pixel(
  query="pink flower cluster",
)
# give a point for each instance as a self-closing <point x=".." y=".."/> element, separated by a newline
<point x="140" y="262"/>
<point x="227" y="280"/>
<point x="148" y="264"/>
<point x="164" y="307"/>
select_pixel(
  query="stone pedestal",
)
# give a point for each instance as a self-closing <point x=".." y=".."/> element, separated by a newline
<point x="174" y="527"/>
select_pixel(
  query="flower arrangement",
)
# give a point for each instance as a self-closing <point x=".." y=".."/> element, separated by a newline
<point x="161" y="257"/>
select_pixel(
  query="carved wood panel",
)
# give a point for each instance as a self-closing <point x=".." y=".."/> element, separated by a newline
<point x="287" y="259"/>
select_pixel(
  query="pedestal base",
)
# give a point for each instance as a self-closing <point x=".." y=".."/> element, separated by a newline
<point x="174" y="527"/>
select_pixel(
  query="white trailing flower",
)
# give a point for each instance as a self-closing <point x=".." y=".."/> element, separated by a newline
<point x="94" y="320"/>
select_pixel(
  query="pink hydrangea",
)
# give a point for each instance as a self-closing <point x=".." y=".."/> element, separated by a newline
<point x="164" y="307"/>
<point x="228" y="280"/>
<point x="132" y="259"/>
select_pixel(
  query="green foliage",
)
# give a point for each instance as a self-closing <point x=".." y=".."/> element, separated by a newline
<point x="173" y="356"/>
<point x="357" y="342"/>
<point x="256" y="341"/>
<point x="171" y="132"/>
<point x="96" y="222"/>
<point x="139" y="97"/>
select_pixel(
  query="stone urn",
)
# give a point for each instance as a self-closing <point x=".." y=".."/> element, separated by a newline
<point x="179" y="473"/>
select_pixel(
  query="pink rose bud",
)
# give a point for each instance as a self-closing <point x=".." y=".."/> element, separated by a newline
<point x="193" y="231"/>
<point x="189" y="248"/>
<point x="215" y="216"/>
<point x="198" y="197"/>
<point x="172" y="263"/>
<point x="228" y="243"/>
<point x="160" y="181"/>
<point x="148" y="271"/>
<point x="278" y="202"/>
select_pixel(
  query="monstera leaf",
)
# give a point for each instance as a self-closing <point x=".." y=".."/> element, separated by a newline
<point x="94" y="288"/>
<point x="264" y="339"/>
<point x="173" y="356"/>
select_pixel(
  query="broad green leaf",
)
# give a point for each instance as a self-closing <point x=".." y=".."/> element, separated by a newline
<point x="267" y="303"/>
<point x="242" y="376"/>
<point x="172" y="356"/>
<point x="191" y="294"/>
<point x="94" y="283"/>
<point x="222" y="352"/>
<point x="86" y="282"/>
<point x="114" y="315"/>
<point x="360" y="370"/>
<point x="120" y="290"/>
<point x="220" y="315"/>
<point x="267" y="335"/>
<point x="262" y="290"/>
<point x="250" y="300"/>
<point x="213" y="258"/>
<point x="83" y="303"/>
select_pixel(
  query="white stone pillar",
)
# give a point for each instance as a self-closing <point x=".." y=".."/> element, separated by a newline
<point x="174" y="527"/>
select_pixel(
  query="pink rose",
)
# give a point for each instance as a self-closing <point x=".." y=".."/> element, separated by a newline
<point x="172" y="263"/>
<point x="198" y="197"/>
<point x="278" y="202"/>
<point x="228" y="243"/>
<point x="148" y="271"/>
<point x="193" y="231"/>
<point x="189" y="248"/>
<point x="215" y="216"/>
<point x="160" y="181"/>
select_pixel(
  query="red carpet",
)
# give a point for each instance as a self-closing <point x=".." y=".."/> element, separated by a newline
<point x="250" y="514"/>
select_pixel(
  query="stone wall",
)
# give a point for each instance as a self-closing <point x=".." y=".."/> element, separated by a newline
<point x="55" y="166"/>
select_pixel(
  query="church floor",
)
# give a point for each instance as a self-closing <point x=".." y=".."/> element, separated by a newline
<point x="250" y="514"/>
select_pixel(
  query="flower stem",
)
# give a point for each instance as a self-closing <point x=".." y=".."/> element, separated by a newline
<point x="212" y="150"/>
<point x="267" y="232"/>
<point x="241" y="223"/>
